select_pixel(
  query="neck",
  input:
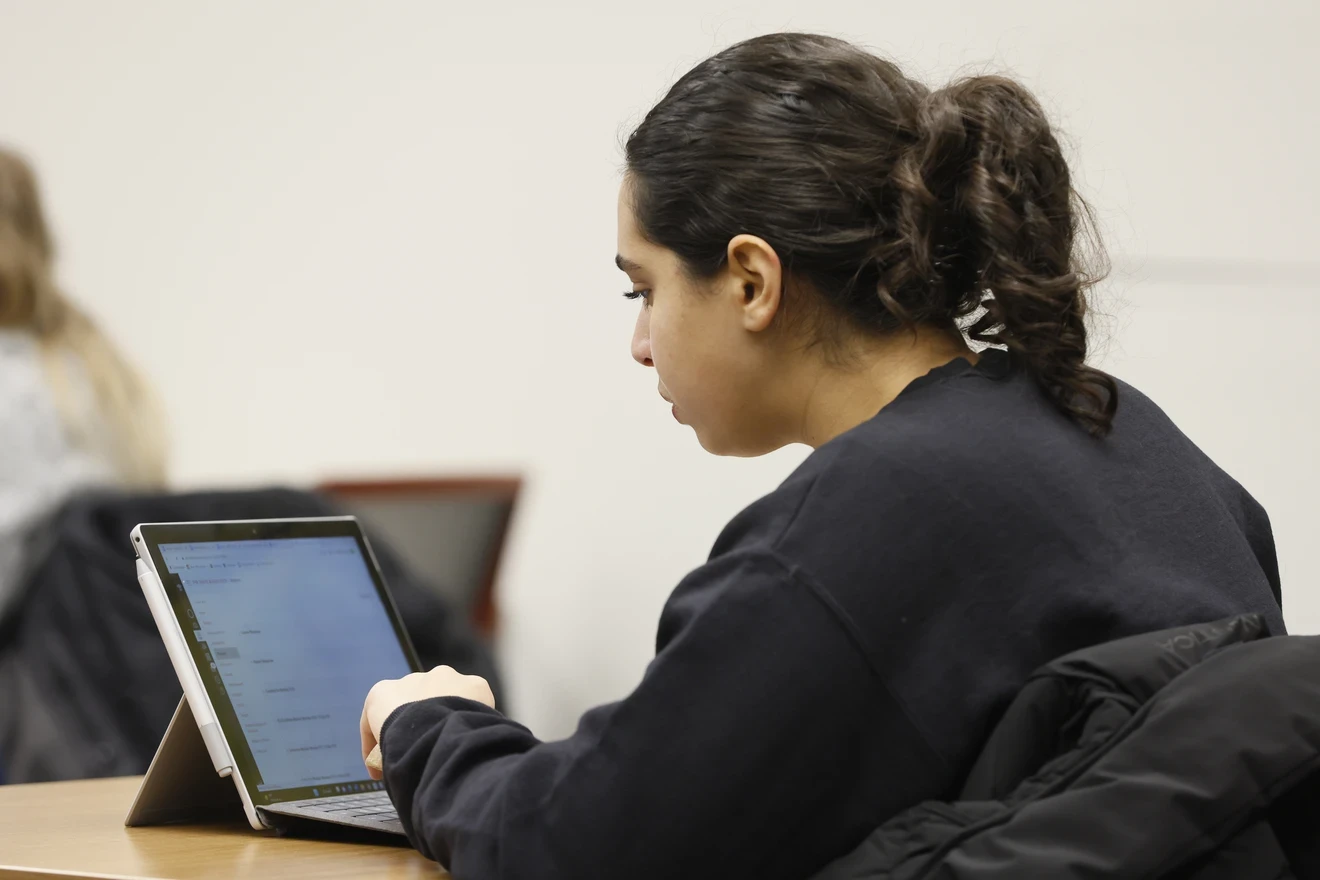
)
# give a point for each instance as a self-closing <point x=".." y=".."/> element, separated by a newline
<point x="835" y="398"/>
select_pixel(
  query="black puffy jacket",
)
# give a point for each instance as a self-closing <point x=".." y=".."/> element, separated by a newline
<point x="1188" y="753"/>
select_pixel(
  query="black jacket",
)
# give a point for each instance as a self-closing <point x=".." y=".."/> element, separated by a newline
<point x="1188" y="753"/>
<point x="86" y="688"/>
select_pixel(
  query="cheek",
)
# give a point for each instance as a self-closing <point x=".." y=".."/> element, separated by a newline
<point x="674" y="352"/>
<point x="664" y="350"/>
<point x="687" y="361"/>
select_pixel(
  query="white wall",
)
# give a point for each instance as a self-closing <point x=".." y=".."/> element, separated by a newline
<point x="350" y="238"/>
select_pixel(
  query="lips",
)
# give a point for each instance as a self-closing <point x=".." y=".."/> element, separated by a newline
<point x="673" y="407"/>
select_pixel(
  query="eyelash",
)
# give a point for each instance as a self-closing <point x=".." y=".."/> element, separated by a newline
<point x="644" y="295"/>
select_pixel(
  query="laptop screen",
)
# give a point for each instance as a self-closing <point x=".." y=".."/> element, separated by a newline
<point x="289" y="634"/>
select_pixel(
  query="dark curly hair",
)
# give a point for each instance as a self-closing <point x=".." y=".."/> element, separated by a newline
<point x="898" y="205"/>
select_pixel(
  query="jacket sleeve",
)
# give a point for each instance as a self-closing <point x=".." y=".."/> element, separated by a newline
<point x="738" y="754"/>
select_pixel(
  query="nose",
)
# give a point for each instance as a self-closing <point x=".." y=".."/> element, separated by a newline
<point x="641" y="341"/>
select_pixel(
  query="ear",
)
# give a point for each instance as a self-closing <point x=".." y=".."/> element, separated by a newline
<point x="754" y="266"/>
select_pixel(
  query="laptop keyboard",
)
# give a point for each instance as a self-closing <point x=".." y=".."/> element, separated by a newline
<point x="366" y="806"/>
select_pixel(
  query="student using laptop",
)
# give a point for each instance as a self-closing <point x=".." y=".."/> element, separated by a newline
<point x="807" y="230"/>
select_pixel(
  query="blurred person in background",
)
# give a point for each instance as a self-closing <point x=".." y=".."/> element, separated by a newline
<point x="74" y="414"/>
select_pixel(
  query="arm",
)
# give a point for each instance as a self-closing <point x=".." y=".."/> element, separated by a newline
<point x="746" y="749"/>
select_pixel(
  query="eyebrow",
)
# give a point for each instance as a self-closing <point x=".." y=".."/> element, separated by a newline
<point x="626" y="264"/>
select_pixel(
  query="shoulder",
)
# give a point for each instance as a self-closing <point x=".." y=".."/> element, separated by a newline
<point x="960" y="451"/>
<point x="1147" y="431"/>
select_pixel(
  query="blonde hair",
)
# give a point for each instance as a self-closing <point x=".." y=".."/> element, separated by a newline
<point x="125" y="422"/>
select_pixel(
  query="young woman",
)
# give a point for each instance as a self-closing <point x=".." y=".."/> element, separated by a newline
<point x="72" y="412"/>
<point x="814" y="238"/>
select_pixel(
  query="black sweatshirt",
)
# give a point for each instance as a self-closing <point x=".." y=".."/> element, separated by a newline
<point x="844" y="651"/>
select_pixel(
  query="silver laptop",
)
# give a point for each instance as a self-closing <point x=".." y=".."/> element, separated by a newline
<point x="276" y="629"/>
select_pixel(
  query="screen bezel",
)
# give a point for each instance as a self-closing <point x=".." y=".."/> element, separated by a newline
<point x="156" y="534"/>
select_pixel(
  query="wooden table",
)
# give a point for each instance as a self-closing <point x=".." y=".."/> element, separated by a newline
<point x="76" y="829"/>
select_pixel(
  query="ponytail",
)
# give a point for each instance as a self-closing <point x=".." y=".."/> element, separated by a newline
<point x="989" y="207"/>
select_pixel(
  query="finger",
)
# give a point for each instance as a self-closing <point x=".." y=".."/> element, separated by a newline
<point x="368" y="738"/>
<point x="375" y="764"/>
<point x="482" y="689"/>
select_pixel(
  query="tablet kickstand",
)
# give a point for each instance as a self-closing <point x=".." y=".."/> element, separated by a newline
<point x="181" y="785"/>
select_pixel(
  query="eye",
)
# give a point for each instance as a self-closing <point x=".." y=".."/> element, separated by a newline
<point x="644" y="295"/>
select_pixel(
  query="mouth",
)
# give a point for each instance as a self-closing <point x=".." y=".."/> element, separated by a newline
<point x="673" y="407"/>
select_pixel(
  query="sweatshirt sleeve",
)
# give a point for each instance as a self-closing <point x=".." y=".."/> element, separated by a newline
<point x="738" y="754"/>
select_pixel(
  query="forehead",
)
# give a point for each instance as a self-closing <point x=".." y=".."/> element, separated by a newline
<point x="635" y="252"/>
<point x="627" y="222"/>
<point x="634" y="248"/>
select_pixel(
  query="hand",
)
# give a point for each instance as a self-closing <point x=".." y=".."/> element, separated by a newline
<point x="386" y="696"/>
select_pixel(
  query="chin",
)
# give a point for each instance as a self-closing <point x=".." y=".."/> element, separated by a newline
<point x="736" y="448"/>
